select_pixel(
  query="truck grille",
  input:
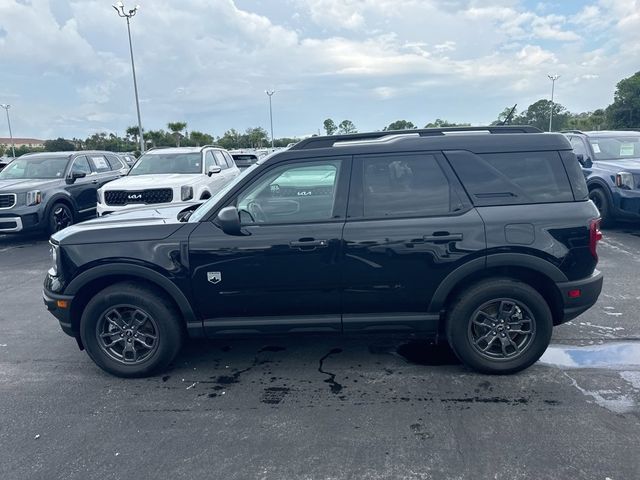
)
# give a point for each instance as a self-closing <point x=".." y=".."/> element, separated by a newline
<point x="7" y="200"/>
<point x="124" y="197"/>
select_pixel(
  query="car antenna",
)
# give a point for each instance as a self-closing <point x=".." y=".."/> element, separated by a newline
<point x="508" y="117"/>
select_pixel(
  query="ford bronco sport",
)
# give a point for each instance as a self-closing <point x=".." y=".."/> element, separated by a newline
<point x="483" y="236"/>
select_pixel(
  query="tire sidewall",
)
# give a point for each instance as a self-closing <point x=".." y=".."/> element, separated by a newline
<point x="51" y="216"/>
<point x="461" y="315"/>
<point x="169" y="335"/>
<point x="605" y="208"/>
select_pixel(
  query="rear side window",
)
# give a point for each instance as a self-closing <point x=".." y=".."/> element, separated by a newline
<point x="114" y="162"/>
<point x="100" y="163"/>
<point x="512" y="178"/>
<point x="404" y="186"/>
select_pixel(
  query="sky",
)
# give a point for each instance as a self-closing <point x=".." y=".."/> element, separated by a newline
<point x="65" y="67"/>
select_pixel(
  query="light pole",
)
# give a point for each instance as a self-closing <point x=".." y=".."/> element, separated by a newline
<point x="6" y="106"/>
<point x="119" y="7"/>
<point x="553" y="79"/>
<point x="270" y="94"/>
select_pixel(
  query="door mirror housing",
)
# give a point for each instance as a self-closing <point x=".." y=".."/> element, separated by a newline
<point x="228" y="220"/>
<point x="214" y="169"/>
<point x="75" y="176"/>
<point x="585" y="162"/>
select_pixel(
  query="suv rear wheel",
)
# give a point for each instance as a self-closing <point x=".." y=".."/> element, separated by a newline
<point x="131" y="331"/>
<point x="499" y="326"/>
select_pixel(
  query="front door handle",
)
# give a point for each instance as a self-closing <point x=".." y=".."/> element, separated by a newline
<point x="443" y="237"/>
<point x="95" y="182"/>
<point x="308" y="244"/>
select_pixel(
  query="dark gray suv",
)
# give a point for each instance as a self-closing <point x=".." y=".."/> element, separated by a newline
<point x="50" y="191"/>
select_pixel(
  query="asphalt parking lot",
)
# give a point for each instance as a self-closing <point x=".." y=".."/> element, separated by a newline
<point x="321" y="407"/>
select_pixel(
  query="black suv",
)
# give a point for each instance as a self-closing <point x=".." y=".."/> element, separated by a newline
<point x="50" y="191"/>
<point x="484" y="236"/>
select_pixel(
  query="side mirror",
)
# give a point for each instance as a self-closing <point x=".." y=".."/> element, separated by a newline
<point x="229" y="220"/>
<point x="214" y="169"/>
<point x="75" y="176"/>
<point x="585" y="162"/>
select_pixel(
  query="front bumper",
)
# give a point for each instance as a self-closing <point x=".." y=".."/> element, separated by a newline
<point x="627" y="203"/>
<point x="589" y="289"/>
<point x="21" y="219"/>
<point x="53" y="302"/>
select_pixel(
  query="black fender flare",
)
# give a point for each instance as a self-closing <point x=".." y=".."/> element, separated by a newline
<point x="61" y="197"/>
<point x="522" y="260"/>
<point x="142" y="272"/>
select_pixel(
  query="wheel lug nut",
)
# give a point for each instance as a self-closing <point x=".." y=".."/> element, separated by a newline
<point x="495" y="333"/>
<point x="503" y="335"/>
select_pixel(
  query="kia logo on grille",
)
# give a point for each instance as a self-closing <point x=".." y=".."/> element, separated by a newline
<point x="134" y="196"/>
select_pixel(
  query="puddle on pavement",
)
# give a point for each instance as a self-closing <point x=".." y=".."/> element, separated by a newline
<point x="613" y="355"/>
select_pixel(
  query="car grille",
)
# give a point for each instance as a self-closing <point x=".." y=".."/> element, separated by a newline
<point x="124" y="197"/>
<point x="7" y="200"/>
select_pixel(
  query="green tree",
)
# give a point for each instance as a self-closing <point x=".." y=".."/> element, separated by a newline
<point x="231" y="139"/>
<point x="439" y="123"/>
<point x="624" y="112"/>
<point x="400" y="125"/>
<point x="596" y="120"/>
<point x="200" y="139"/>
<point x="255" y="137"/>
<point x="176" y="129"/>
<point x="502" y="116"/>
<point x="537" y="115"/>
<point x="347" y="126"/>
<point x="133" y="132"/>
<point x="330" y="126"/>
<point x="58" y="145"/>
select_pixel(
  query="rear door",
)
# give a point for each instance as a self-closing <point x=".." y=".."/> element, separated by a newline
<point x="409" y="225"/>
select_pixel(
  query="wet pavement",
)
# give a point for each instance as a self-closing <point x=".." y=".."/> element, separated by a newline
<point x="321" y="407"/>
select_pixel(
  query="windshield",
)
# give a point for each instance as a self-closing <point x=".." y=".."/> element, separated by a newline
<point x="159" y="163"/>
<point x="203" y="209"/>
<point x="35" y="167"/>
<point x="616" y="148"/>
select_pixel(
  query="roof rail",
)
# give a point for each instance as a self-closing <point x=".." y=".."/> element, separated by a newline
<point x="572" y="131"/>
<point x="389" y="135"/>
<point x="155" y="148"/>
<point x="210" y="146"/>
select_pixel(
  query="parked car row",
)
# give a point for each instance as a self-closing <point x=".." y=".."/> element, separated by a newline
<point x="50" y="191"/>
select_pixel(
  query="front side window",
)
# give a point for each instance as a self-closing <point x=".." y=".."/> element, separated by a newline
<point x="164" y="163"/>
<point x="220" y="160"/>
<point x="209" y="161"/>
<point x="35" y="167"/>
<point x="294" y="193"/>
<point x="81" y="165"/>
<point x="616" y="148"/>
<point x="400" y="186"/>
<point x="578" y="146"/>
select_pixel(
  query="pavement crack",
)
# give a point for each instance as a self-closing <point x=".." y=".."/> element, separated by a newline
<point x="335" y="386"/>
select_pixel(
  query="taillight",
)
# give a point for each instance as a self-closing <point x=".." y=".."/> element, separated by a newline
<point x="595" y="235"/>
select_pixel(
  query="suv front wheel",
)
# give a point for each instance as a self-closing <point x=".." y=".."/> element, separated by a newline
<point x="130" y="330"/>
<point x="499" y="326"/>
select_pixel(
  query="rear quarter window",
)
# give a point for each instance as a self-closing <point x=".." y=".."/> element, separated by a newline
<point x="512" y="178"/>
<point x="576" y="175"/>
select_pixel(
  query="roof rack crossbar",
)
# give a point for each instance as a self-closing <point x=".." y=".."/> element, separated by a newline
<point x="330" y="141"/>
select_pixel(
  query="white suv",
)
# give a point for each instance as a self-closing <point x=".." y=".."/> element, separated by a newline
<point x="169" y="175"/>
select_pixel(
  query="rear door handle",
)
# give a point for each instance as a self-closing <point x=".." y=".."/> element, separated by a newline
<point x="308" y="244"/>
<point x="443" y="237"/>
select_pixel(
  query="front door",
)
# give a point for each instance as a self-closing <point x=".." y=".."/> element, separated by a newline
<point x="408" y="226"/>
<point x="83" y="190"/>
<point x="283" y="274"/>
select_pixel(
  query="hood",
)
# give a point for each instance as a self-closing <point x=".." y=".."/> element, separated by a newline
<point x="136" y="224"/>
<point x="632" y="165"/>
<point x="141" y="182"/>
<point x="11" y="185"/>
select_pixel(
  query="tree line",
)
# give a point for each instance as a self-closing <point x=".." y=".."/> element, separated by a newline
<point x="622" y="113"/>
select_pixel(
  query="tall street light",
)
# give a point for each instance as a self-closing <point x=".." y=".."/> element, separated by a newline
<point x="7" y="107"/>
<point x="128" y="14"/>
<point x="553" y="79"/>
<point x="270" y="94"/>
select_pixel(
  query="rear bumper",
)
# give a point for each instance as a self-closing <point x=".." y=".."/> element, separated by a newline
<point x="589" y="288"/>
<point x="62" y="314"/>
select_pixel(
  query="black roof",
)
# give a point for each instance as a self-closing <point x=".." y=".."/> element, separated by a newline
<point x="473" y="139"/>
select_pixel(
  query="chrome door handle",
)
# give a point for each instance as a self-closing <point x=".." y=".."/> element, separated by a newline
<point x="309" y="244"/>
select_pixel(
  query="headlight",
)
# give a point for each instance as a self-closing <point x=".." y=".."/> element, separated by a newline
<point x="54" y="249"/>
<point x="34" y="197"/>
<point x="625" y="180"/>
<point x="186" y="192"/>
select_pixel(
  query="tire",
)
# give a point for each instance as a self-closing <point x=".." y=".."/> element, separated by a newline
<point x="469" y="321"/>
<point x="600" y="198"/>
<point x="60" y="217"/>
<point x="108" y="328"/>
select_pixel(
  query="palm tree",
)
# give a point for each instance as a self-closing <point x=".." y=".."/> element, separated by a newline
<point x="176" y="128"/>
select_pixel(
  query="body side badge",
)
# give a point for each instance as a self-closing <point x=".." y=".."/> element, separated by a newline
<point x="214" y="277"/>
